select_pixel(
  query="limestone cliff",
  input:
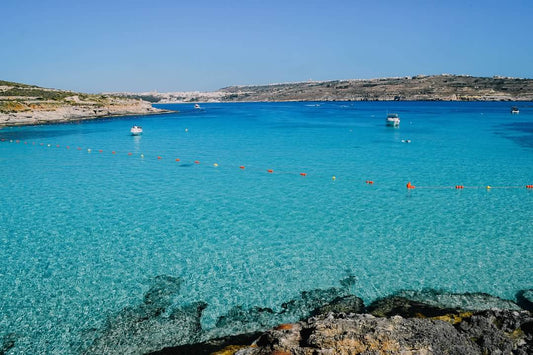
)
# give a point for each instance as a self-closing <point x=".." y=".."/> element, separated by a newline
<point x="22" y="104"/>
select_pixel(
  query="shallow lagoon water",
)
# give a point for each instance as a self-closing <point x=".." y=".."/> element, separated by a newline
<point x="84" y="233"/>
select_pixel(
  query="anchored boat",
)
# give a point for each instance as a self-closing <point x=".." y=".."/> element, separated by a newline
<point x="136" y="130"/>
<point x="393" y="120"/>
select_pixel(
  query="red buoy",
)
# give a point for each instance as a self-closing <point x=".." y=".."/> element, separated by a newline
<point x="241" y="167"/>
<point x="303" y="174"/>
<point x="196" y="162"/>
<point x="270" y="170"/>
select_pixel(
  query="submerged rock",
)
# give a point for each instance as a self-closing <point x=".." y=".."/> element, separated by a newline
<point x="249" y="320"/>
<point x="7" y="342"/>
<point x="146" y="327"/>
<point x="310" y="301"/>
<point x="345" y="304"/>
<point x="524" y="299"/>
<point x="474" y="301"/>
<point x="401" y="306"/>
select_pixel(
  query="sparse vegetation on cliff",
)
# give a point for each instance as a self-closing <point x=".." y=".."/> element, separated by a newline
<point x="22" y="104"/>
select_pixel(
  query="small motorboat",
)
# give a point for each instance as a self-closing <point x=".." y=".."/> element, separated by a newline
<point x="196" y="106"/>
<point x="136" y="130"/>
<point x="393" y="120"/>
<point x="515" y="110"/>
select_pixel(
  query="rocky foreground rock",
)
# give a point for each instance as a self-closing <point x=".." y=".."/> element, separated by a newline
<point x="486" y="332"/>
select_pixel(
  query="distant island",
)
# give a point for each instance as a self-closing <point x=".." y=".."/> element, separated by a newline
<point x="417" y="88"/>
<point x="22" y="104"/>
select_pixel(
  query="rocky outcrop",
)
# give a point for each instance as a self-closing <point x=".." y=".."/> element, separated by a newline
<point x="408" y="322"/>
<point x="58" y="112"/>
<point x="487" y="332"/>
<point x="22" y="104"/>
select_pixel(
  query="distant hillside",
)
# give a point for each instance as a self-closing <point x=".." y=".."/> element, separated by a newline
<point x="417" y="88"/>
<point x="440" y="87"/>
<point x="22" y="104"/>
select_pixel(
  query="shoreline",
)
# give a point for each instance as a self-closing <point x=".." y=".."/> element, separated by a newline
<point x="422" y="320"/>
<point x="68" y="115"/>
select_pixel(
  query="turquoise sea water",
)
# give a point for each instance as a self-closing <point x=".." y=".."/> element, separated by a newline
<point x="84" y="233"/>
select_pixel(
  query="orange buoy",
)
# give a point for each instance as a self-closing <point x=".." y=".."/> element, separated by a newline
<point x="270" y="170"/>
<point x="100" y="151"/>
<point x="242" y="167"/>
<point x="158" y="157"/>
<point x="370" y="182"/>
<point x="303" y="174"/>
<point x="79" y="148"/>
<point x="25" y="142"/>
<point x="529" y="186"/>
<point x="113" y="152"/>
<point x="177" y="159"/>
<point x="459" y="187"/>
<point x="410" y="186"/>
<point x="57" y="145"/>
<point x="196" y="162"/>
<point x="68" y="147"/>
<point x="130" y="153"/>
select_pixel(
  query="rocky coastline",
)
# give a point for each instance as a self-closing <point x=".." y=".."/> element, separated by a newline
<point x="320" y="321"/>
<point x="443" y="87"/>
<point x="22" y="104"/>
<point x="446" y="323"/>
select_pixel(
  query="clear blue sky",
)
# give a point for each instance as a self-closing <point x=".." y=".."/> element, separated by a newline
<point x="96" y="46"/>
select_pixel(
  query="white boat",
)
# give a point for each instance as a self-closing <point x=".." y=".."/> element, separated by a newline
<point x="196" y="106"/>
<point x="136" y="130"/>
<point x="393" y="120"/>
<point x="514" y="110"/>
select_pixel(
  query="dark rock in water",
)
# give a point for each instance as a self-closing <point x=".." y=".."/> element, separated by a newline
<point x="8" y="341"/>
<point x="212" y="346"/>
<point x="345" y="304"/>
<point x="161" y="292"/>
<point x="394" y="305"/>
<point x="146" y="327"/>
<point x="349" y="281"/>
<point x="524" y="299"/>
<point x="310" y="301"/>
<point x="476" y="301"/>
<point x="239" y="319"/>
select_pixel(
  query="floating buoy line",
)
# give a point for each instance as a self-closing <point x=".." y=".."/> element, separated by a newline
<point x="409" y="185"/>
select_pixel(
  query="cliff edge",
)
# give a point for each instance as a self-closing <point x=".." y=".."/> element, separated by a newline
<point x="22" y="104"/>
